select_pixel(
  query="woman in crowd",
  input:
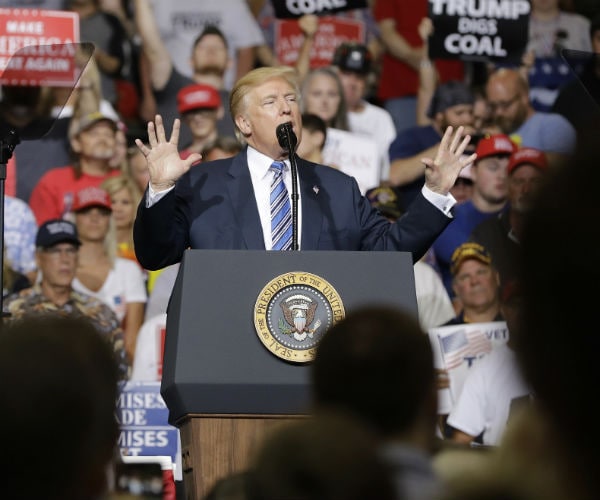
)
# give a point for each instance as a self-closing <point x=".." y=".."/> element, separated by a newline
<point x="125" y="196"/>
<point x="117" y="281"/>
<point x="323" y="95"/>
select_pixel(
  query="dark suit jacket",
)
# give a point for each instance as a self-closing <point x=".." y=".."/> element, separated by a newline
<point x="213" y="207"/>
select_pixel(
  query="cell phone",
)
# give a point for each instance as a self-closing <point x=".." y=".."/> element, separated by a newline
<point x="137" y="481"/>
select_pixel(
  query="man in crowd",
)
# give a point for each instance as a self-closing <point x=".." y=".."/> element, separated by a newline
<point x="494" y="387"/>
<point x="502" y="235"/>
<point x="353" y="61"/>
<point x="209" y="60"/>
<point x="228" y="205"/>
<point x="451" y="105"/>
<point x="93" y="142"/>
<point x="476" y="284"/>
<point x="489" y="198"/>
<point x="508" y="96"/>
<point x="57" y="247"/>
<point x="200" y="108"/>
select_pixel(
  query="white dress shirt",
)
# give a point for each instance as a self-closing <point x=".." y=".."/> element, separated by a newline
<point x="261" y="176"/>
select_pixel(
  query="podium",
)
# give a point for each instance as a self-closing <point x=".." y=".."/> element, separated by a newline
<point x="223" y="384"/>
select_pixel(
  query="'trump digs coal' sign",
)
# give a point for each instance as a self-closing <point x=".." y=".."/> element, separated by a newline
<point x="479" y="29"/>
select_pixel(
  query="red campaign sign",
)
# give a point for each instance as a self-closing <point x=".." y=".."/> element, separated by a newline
<point x="331" y="32"/>
<point x="37" y="47"/>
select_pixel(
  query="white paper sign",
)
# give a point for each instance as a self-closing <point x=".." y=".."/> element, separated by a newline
<point x="456" y="348"/>
<point x="355" y="155"/>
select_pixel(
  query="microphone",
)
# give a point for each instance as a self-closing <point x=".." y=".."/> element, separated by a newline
<point x="287" y="140"/>
<point x="286" y="137"/>
<point x="559" y="38"/>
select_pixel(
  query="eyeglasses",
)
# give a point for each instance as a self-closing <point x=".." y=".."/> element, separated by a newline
<point x="503" y="105"/>
<point x="59" y="251"/>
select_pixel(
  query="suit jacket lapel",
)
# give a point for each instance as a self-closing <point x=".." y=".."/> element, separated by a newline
<point x="244" y="203"/>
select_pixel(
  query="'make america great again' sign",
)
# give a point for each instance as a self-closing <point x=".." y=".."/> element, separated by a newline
<point x="39" y="47"/>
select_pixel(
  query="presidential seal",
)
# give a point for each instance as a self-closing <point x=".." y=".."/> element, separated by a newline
<point x="293" y="311"/>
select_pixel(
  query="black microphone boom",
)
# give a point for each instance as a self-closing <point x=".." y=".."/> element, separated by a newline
<point x="287" y="140"/>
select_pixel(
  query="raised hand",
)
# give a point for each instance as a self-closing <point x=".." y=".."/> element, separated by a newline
<point x="164" y="163"/>
<point x="441" y="172"/>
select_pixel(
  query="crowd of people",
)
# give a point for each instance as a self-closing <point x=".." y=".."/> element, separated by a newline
<point x="167" y="142"/>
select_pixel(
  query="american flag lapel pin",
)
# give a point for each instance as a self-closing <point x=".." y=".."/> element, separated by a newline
<point x="316" y="189"/>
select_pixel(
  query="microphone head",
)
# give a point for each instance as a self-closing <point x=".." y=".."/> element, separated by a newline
<point x="286" y="136"/>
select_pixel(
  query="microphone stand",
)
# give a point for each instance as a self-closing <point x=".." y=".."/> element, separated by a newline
<point x="294" y="171"/>
<point x="7" y="145"/>
<point x="288" y="140"/>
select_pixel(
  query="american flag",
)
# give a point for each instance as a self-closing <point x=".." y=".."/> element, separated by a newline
<point x="461" y="344"/>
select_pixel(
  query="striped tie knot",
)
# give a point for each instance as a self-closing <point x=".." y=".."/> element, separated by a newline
<point x="277" y="167"/>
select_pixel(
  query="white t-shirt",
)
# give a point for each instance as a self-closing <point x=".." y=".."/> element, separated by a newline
<point x="181" y="21"/>
<point x="376" y="123"/>
<point x="433" y="301"/>
<point x="486" y="397"/>
<point x="149" y="348"/>
<point x="124" y="283"/>
<point x="568" y="30"/>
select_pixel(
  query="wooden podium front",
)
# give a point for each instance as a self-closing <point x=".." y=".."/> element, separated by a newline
<point x="214" y="446"/>
<point x="224" y="388"/>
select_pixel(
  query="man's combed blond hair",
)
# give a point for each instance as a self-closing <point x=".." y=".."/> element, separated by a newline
<point x="251" y="80"/>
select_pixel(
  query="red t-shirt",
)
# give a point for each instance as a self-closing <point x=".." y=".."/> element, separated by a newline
<point x="52" y="197"/>
<point x="398" y="79"/>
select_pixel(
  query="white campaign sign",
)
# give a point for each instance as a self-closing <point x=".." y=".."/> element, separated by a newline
<point x="456" y="348"/>
<point x="355" y="155"/>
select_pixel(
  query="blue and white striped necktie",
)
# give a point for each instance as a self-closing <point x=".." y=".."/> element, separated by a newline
<point x="281" y="211"/>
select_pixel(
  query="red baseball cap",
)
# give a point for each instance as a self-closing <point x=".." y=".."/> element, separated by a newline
<point x="91" y="197"/>
<point x="497" y="144"/>
<point x="198" y="96"/>
<point x="529" y="156"/>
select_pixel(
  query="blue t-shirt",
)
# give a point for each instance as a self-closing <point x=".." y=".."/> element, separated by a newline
<point x="549" y="132"/>
<point x="409" y="143"/>
<point x="466" y="217"/>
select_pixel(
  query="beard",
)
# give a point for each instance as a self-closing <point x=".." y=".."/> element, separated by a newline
<point x="510" y="124"/>
<point x="210" y="70"/>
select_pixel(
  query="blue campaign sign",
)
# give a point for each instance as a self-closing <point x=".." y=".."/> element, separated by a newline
<point x="143" y="418"/>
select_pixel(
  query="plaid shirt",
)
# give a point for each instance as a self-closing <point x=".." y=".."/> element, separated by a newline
<point x="33" y="301"/>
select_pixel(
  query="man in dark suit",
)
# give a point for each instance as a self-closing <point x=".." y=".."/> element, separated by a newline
<point x="225" y="204"/>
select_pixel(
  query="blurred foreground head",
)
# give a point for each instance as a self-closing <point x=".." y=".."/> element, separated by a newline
<point x="325" y="457"/>
<point x="58" y="390"/>
<point x="362" y="356"/>
<point x="559" y="346"/>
